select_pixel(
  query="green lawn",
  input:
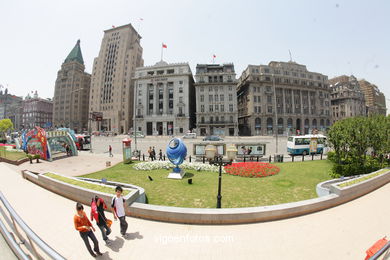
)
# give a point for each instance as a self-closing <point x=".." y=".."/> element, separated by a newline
<point x="84" y="184"/>
<point x="295" y="181"/>
<point x="14" y="155"/>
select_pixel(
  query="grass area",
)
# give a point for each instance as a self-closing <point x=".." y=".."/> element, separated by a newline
<point x="363" y="178"/>
<point x="11" y="155"/>
<point x="86" y="185"/>
<point x="295" y="181"/>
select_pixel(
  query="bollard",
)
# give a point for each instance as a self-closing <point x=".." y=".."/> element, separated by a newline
<point x="292" y="158"/>
<point x="143" y="157"/>
<point x="139" y="156"/>
<point x="282" y="158"/>
<point x="270" y="159"/>
<point x="203" y="158"/>
<point x="190" y="158"/>
<point x="244" y="158"/>
<point x="257" y="158"/>
<point x="312" y="156"/>
<point x="303" y="157"/>
<point x="321" y="155"/>
<point x="164" y="157"/>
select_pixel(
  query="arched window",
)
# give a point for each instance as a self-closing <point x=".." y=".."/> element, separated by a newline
<point x="289" y="123"/>
<point x="257" y="123"/>
<point x="280" y="126"/>
<point x="270" y="126"/>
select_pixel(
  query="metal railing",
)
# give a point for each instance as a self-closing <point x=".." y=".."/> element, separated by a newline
<point x="31" y="240"/>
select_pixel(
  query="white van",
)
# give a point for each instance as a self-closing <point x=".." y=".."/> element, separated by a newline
<point x="189" y="135"/>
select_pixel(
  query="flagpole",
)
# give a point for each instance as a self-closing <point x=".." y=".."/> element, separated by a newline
<point x="162" y="52"/>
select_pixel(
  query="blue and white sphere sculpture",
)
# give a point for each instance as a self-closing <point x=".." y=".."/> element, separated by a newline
<point x="176" y="152"/>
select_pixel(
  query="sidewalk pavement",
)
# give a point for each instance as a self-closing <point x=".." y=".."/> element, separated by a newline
<point x="343" y="232"/>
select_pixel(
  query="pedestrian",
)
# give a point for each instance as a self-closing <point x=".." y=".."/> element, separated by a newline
<point x="97" y="213"/>
<point x="118" y="206"/>
<point x="154" y="154"/>
<point x="150" y="153"/>
<point x="67" y="148"/>
<point x="84" y="226"/>
<point x="110" y="151"/>
<point x="160" y="155"/>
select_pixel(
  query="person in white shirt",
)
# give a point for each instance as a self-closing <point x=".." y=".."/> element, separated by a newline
<point x="118" y="209"/>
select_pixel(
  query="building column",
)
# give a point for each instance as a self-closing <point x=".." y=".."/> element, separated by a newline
<point x="155" y="99"/>
<point x="165" y="100"/>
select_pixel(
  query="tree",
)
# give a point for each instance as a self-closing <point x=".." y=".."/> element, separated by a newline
<point x="6" y="125"/>
<point x="352" y="140"/>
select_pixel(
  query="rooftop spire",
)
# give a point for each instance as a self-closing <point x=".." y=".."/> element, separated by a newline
<point x="75" y="54"/>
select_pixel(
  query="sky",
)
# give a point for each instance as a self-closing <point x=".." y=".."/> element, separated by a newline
<point x="330" y="37"/>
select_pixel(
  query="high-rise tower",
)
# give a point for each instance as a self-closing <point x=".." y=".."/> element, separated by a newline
<point x="71" y="92"/>
<point x="112" y="88"/>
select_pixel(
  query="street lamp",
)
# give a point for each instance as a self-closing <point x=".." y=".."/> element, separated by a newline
<point x="215" y="159"/>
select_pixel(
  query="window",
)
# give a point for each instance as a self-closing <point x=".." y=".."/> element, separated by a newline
<point x="230" y="88"/>
<point x="230" y="97"/>
<point x="269" y="99"/>
<point x="230" y="107"/>
<point x="180" y="90"/>
<point x="210" y="98"/>
<point x="201" y="98"/>
<point x="216" y="97"/>
<point x="221" y="97"/>
<point x="202" y="108"/>
<point x="201" y="89"/>
<point x="210" y="108"/>
<point x="269" y="109"/>
<point x="211" y="119"/>
<point x="216" y="108"/>
<point x="222" y="108"/>
<point x="170" y="71"/>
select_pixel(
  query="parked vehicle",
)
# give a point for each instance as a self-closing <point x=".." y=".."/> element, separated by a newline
<point x="189" y="135"/>
<point x="212" y="138"/>
<point x="83" y="142"/>
<point x="138" y="134"/>
<point x="306" y="144"/>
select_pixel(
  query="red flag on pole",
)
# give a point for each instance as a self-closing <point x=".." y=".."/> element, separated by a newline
<point x="141" y="19"/>
<point x="113" y="26"/>
<point x="164" y="45"/>
<point x="214" y="56"/>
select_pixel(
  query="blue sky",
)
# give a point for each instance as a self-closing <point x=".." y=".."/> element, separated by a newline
<point x="330" y="37"/>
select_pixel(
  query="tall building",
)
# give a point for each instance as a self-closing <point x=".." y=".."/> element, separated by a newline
<point x="71" y="94"/>
<point x="216" y="100"/>
<point x="112" y="86"/>
<point x="164" y="99"/>
<point x="10" y="108"/>
<point x="37" y="112"/>
<point x="375" y="100"/>
<point x="283" y="96"/>
<point x="347" y="99"/>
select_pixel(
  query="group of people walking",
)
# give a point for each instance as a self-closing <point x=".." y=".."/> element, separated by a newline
<point x="85" y="227"/>
<point x="152" y="154"/>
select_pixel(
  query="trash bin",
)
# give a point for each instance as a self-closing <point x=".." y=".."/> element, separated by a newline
<point x="108" y="164"/>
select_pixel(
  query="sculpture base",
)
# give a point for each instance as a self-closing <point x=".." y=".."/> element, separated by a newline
<point x="176" y="175"/>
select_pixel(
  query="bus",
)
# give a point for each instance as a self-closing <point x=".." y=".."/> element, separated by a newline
<point x="83" y="142"/>
<point x="306" y="144"/>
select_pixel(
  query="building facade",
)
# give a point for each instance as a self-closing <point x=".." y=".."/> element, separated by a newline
<point x="71" y="94"/>
<point x="347" y="100"/>
<point x="164" y="99"/>
<point x="216" y="100"/>
<point x="375" y="100"/>
<point x="112" y="90"/>
<point x="37" y="112"/>
<point x="10" y="107"/>
<point x="283" y="96"/>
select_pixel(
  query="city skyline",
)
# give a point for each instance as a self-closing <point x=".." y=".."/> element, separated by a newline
<point x="337" y="38"/>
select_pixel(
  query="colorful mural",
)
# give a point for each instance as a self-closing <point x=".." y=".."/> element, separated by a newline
<point x="35" y="142"/>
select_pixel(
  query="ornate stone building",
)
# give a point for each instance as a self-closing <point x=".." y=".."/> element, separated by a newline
<point x="283" y="96"/>
<point x="375" y="100"/>
<point x="216" y="100"/>
<point x="37" y="112"/>
<point x="347" y="99"/>
<point x="10" y="107"/>
<point x="164" y="99"/>
<point x="112" y="86"/>
<point x="71" y="94"/>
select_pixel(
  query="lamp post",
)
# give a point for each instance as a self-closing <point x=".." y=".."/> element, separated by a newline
<point x="276" y="113"/>
<point x="215" y="159"/>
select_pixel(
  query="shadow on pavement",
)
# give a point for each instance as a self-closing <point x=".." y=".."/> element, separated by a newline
<point x="116" y="244"/>
<point x="133" y="236"/>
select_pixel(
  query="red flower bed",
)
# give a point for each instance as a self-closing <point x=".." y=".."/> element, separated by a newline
<point x="251" y="169"/>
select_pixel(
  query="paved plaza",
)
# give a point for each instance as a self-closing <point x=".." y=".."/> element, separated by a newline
<point x="342" y="232"/>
